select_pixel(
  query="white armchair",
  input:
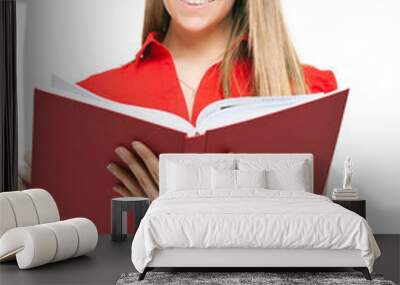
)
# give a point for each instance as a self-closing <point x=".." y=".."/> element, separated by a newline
<point x="31" y="230"/>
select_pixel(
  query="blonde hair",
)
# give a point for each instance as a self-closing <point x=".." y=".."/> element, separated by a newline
<point x="276" y="69"/>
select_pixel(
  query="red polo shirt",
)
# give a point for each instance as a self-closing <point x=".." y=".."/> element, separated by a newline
<point x="151" y="81"/>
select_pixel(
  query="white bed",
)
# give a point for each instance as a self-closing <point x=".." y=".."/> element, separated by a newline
<point x="248" y="227"/>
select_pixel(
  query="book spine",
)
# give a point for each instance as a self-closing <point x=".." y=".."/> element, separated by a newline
<point x="196" y="144"/>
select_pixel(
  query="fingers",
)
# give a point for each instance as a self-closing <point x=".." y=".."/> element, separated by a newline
<point x="128" y="181"/>
<point x="143" y="177"/>
<point x="149" y="159"/>
<point x="121" y="190"/>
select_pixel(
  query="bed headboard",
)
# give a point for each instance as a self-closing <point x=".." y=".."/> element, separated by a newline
<point x="214" y="157"/>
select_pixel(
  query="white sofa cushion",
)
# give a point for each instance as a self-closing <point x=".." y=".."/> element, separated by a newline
<point x="7" y="218"/>
<point x="32" y="246"/>
<point x="86" y="229"/>
<point x="26" y="208"/>
<point x="23" y="208"/>
<point x="31" y="232"/>
<point x="40" y="244"/>
<point x="45" y="206"/>
<point x="66" y="237"/>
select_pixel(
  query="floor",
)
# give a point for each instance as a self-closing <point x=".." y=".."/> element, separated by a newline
<point x="103" y="266"/>
<point x="110" y="260"/>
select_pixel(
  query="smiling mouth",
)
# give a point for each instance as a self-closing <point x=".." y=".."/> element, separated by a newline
<point x="197" y="2"/>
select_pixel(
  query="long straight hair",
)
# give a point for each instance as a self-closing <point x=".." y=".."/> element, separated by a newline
<point x="275" y="66"/>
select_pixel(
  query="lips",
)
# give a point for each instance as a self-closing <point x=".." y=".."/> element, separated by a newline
<point x="197" y="2"/>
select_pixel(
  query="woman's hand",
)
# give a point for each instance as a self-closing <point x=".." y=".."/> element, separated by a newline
<point x="142" y="177"/>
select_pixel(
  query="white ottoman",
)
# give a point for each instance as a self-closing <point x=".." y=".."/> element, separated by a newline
<point x="31" y="232"/>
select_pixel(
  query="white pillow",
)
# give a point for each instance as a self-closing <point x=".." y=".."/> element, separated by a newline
<point x="193" y="175"/>
<point x="235" y="179"/>
<point x="293" y="179"/>
<point x="223" y="179"/>
<point x="251" y="178"/>
<point x="289" y="175"/>
<point x="187" y="177"/>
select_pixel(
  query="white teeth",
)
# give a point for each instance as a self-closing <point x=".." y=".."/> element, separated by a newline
<point x="197" y="2"/>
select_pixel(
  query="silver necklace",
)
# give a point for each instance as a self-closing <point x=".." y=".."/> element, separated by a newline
<point x="192" y="89"/>
<point x="188" y="86"/>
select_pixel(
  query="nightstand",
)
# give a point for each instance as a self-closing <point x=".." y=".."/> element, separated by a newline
<point x="119" y="208"/>
<point x="357" y="206"/>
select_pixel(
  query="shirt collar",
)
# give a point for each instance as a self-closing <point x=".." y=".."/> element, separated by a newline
<point x="152" y="39"/>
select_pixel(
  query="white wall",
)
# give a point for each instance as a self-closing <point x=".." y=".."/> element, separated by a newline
<point x="360" y="41"/>
<point x="357" y="39"/>
<point x="71" y="38"/>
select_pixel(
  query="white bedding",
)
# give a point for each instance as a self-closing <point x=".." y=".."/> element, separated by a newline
<point x="251" y="218"/>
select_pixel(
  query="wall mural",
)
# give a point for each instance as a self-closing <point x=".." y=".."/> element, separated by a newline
<point x="211" y="86"/>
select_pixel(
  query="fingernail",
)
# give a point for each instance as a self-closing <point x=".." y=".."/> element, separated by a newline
<point x="109" y="166"/>
<point x="135" y="144"/>
<point x="119" y="150"/>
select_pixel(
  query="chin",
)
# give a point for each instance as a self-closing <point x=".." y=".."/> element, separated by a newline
<point x="195" y="25"/>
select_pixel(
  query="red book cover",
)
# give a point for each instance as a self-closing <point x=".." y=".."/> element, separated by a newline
<point x="73" y="142"/>
<point x="72" y="145"/>
<point x="308" y="128"/>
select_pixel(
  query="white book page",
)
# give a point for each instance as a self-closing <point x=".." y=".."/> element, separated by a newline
<point x="243" y="101"/>
<point x="223" y="104"/>
<point x="72" y="91"/>
<point x="250" y="108"/>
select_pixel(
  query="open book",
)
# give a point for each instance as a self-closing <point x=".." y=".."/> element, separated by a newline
<point x="216" y="115"/>
<point x="76" y="133"/>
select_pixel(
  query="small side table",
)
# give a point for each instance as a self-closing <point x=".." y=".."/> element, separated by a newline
<point x="119" y="210"/>
<point x="357" y="206"/>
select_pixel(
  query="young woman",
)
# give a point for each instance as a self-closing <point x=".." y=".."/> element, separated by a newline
<point x="196" y="52"/>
